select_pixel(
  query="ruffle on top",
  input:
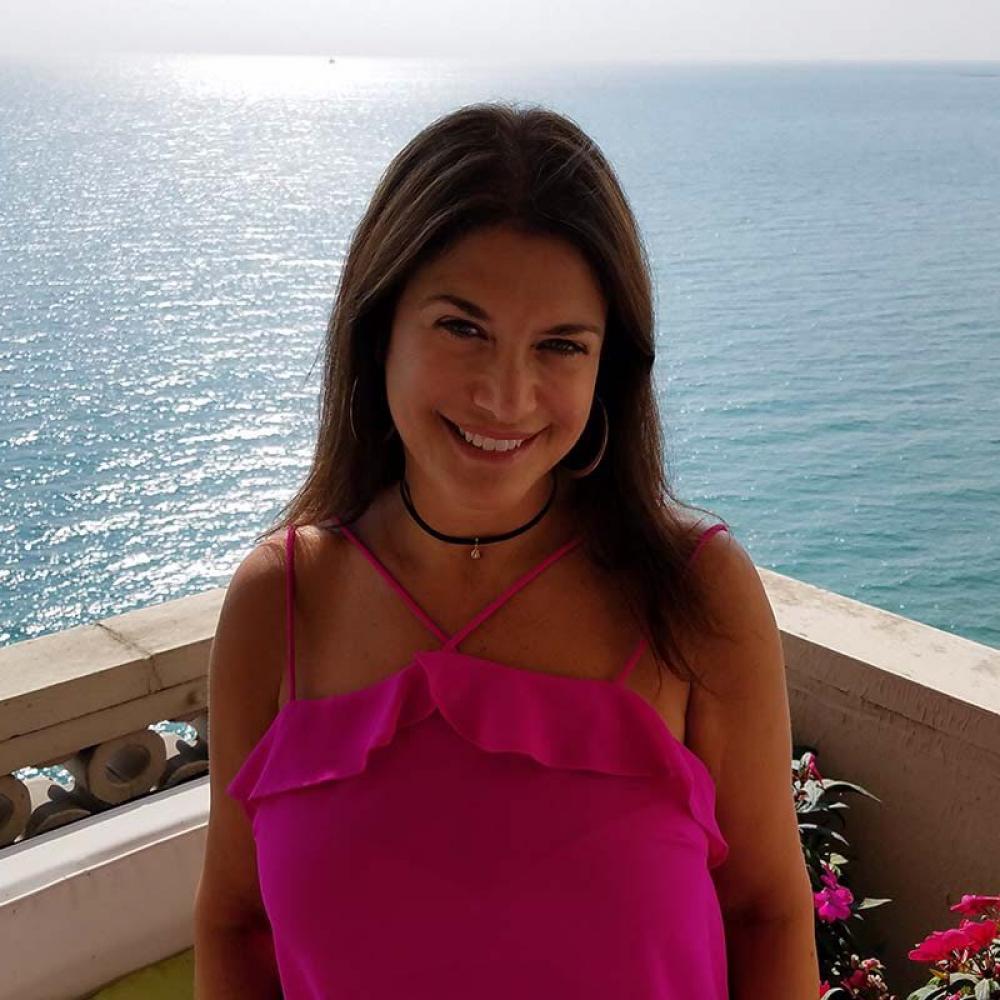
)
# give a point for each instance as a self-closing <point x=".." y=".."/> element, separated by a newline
<point x="560" y="721"/>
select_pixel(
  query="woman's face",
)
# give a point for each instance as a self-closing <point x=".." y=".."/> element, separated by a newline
<point x="517" y="356"/>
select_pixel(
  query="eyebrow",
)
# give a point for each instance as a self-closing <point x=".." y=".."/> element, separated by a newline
<point x="473" y="310"/>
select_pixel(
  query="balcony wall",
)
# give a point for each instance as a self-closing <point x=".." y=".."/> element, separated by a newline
<point x="98" y="880"/>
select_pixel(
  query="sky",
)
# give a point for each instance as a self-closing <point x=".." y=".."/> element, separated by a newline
<point x="559" y="30"/>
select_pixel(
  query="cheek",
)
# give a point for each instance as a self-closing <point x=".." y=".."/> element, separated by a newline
<point x="415" y="385"/>
<point x="406" y="367"/>
<point x="576" y="404"/>
<point x="566" y="415"/>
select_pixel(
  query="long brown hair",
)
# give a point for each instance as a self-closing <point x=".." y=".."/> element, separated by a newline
<point x="537" y="171"/>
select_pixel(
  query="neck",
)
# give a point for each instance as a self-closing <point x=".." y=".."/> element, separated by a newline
<point x="416" y="548"/>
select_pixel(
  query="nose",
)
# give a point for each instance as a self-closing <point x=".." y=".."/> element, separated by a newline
<point x="506" y="390"/>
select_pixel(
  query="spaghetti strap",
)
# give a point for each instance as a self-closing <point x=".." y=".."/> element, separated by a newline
<point x="290" y="607"/>
<point x="641" y="644"/>
<point x="630" y="663"/>
<point x="517" y="585"/>
<point x="451" y="642"/>
<point x="705" y="536"/>
<point x="395" y="584"/>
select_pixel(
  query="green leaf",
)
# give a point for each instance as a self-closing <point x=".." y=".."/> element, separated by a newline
<point x="962" y="979"/>
<point x="825" y="830"/>
<point x="851" y="786"/>
<point x="868" y="903"/>
<point x="932" y="992"/>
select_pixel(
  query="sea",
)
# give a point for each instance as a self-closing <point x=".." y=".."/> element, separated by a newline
<point x="825" y="245"/>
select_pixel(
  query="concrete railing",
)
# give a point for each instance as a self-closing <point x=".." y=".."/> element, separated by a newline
<point x="99" y="880"/>
<point x="912" y="714"/>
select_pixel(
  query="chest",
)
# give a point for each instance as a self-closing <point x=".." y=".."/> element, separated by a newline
<point x="352" y="629"/>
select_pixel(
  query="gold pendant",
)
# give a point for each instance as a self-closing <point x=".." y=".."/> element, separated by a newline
<point x="475" y="550"/>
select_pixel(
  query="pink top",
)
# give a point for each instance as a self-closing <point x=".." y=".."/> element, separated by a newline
<point x="465" y="827"/>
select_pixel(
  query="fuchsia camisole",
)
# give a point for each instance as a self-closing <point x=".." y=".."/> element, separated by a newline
<point x="467" y="828"/>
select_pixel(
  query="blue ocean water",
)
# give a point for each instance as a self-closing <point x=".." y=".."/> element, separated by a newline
<point x="826" y="244"/>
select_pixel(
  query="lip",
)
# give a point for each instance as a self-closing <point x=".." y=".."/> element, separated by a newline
<point x="488" y="432"/>
<point x="473" y="452"/>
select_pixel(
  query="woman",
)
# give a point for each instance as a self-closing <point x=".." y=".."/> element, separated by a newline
<point x="474" y="759"/>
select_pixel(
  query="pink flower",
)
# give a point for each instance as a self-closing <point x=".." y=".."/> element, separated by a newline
<point x="834" y="901"/>
<point x="976" y="904"/>
<point x="979" y="933"/>
<point x="938" y="946"/>
<point x="824" y="988"/>
<point x="829" y="876"/>
<point x="857" y="979"/>
<point x="971" y="935"/>
<point x="812" y="770"/>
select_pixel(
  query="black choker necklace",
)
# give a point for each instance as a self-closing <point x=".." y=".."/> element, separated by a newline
<point x="404" y="492"/>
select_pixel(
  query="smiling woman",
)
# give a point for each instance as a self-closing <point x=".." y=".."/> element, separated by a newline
<point x="506" y="377"/>
<point x="523" y="800"/>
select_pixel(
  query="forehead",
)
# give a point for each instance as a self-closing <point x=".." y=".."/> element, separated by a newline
<point x="511" y="269"/>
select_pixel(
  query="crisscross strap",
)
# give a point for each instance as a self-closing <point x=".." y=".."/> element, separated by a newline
<point x="395" y="584"/>
<point x="451" y="642"/>
<point x="520" y="582"/>
<point x="641" y="644"/>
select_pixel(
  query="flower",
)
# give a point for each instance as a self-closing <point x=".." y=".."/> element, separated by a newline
<point x="833" y="902"/>
<point x="856" y="979"/>
<point x="976" y="904"/>
<point x="979" y="933"/>
<point x="972" y="936"/>
<point x="812" y="770"/>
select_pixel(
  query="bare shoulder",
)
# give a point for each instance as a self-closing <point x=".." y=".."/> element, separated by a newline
<point x="246" y="676"/>
<point x="317" y="544"/>
<point x="247" y="654"/>
<point x="743" y="730"/>
<point x="247" y="637"/>
<point x="318" y="555"/>
<point x="243" y="676"/>
<point x="739" y="607"/>
<point x="728" y="658"/>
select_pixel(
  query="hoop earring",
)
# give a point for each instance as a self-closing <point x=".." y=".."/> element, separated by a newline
<point x="588" y="469"/>
<point x="350" y="413"/>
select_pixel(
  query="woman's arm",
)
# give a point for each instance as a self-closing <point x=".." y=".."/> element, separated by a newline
<point x="763" y="886"/>
<point x="773" y="958"/>
<point x="234" y="953"/>
<point x="234" y="963"/>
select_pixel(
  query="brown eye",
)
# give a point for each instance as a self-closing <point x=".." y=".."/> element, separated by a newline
<point x="451" y="324"/>
<point x="574" y="347"/>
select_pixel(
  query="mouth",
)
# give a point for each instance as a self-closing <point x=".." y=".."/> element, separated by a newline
<point x="491" y="456"/>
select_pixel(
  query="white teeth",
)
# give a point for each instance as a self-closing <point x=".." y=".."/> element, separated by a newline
<point x="489" y="444"/>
